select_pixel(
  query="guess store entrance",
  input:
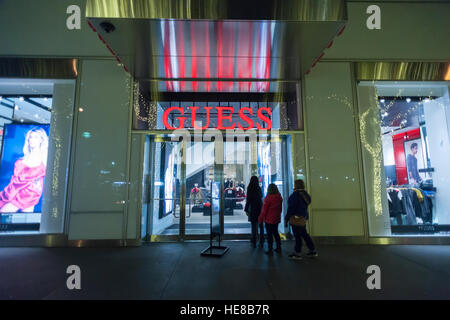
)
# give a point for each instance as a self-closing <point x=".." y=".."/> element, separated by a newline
<point x="199" y="154"/>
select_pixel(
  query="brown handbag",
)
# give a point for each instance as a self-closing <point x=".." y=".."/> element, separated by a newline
<point x="299" y="221"/>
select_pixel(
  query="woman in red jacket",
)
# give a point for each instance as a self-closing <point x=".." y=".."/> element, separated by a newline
<point x="271" y="216"/>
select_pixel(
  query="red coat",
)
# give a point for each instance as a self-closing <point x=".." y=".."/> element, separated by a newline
<point x="271" y="210"/>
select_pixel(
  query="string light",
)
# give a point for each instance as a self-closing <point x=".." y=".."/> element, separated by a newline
<point x="368" y="124"/>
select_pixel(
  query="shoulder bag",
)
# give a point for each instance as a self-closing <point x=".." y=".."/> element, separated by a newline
<point x="299" y="221"/>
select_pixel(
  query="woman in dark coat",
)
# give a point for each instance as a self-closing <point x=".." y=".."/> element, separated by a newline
<point x="298" y="206"/>
<point x="253" y="208"/>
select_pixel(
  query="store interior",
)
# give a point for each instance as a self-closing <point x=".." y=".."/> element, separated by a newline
<point x="162" y="183"/>
<point x="415" y="119"/>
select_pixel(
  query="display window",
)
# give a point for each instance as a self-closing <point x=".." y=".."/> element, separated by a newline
<point x="34" y="151"/>
<point x="414" y="123"/>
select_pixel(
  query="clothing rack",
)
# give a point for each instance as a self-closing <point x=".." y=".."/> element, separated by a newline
<point x="410" y="205"/>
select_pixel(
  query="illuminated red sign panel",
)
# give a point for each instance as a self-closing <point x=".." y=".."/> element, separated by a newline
<point x="224" y="121"/>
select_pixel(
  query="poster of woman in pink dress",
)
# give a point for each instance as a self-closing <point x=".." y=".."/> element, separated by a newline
<point x="24" y="190"/>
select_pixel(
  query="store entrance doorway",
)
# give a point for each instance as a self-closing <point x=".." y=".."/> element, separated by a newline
<point x="183" y="177"/>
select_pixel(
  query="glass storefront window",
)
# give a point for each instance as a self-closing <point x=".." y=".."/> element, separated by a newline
<point x="35" y="129"/>
<point x="178" y="189"/>
<point x="411" y="186"/>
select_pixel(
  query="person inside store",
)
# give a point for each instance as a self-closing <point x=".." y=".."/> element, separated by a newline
<point x="196" y="195"/>
<point x="253" y="208"/>
<point x="271" y="216"/>
<point x="296" y="216"/>
<point x="411" y="164"/>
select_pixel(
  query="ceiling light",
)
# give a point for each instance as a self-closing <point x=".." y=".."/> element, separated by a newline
<point x="36" y="115"/>
<point x="382" y="100"/>
<point x="21" y="120"/>
<point x="408" y="100"/>
<point x="1" y="98"/>
<point x="426" y="100"/>
<point x="45" y="99"/>
<point x="16" y="107"/>
<point x="21" y="99"/>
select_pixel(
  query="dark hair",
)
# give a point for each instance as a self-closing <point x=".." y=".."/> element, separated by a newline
<point x="299" y="184"/>
<point x="253" y="186"/>
<point x="414" y="145"/>
<point x="273" y="189"/>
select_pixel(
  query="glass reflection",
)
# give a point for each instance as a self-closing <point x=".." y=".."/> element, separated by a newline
<point x="411" y="180"/>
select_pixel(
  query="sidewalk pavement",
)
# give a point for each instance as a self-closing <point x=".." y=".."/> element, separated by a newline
<point x="177" y="271"/>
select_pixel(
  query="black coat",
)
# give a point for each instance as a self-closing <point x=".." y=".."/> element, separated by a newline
<point x="298" y="203"/>
<point x="253" y="204"/>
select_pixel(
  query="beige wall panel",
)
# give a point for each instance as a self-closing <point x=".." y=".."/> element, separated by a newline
<point x="417" y="31"/>
<point x="96" y="226"/>
<point x="332" y="138"/>
<point x="338" y="223"/>
<point x="333" y="153"/>
<point x="38" y="28"/>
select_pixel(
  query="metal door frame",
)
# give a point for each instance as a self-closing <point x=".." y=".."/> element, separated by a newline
<point x="161" y="136"/>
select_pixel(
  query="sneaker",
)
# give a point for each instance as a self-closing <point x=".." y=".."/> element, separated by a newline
<point x="278" y="250"/>
<point x="312" y="254"/>
<point x="295" y="256"/>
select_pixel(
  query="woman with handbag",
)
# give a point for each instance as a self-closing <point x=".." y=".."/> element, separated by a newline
<point x="297" y="215"/>
<point x="253" y="206"/>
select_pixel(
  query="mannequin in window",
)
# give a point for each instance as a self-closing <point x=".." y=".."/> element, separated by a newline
<point x="196" y="195"/>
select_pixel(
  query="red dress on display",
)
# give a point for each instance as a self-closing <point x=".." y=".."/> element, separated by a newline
<point x="26" y="186"/>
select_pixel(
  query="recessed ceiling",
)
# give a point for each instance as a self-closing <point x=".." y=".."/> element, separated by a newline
<point x="273" y="40"/>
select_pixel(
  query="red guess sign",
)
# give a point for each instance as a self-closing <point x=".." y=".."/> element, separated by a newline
<point x="224" y="121"/>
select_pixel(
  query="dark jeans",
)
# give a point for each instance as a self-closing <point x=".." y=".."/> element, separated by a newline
<point x="272" y="232"/>
<point x="299" y="233"/>
<point x="255" y="227"/>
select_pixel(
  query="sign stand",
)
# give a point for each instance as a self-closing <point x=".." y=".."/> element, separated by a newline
<point x="212" y="250"/>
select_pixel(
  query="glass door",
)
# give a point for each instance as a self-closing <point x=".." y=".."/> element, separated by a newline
<point x="187" y="181"/>
<point x="266" y="158"/>
<point x="202" y="183"/>
<point x="239" y="165"/>
<point x="182" y="185"/>
<point x="162" y="203"/>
